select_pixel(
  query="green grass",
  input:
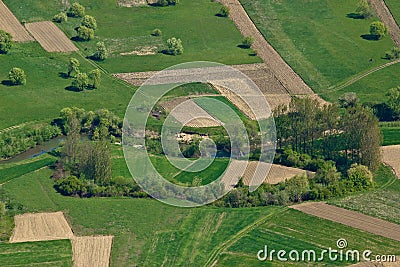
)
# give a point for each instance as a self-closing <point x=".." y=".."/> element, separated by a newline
<point x="47" y="253"/>
<point x="322" y="44"/>
<point x="394" y="7"/>
<point x="292" y="229"/>
<point x="205" y="36"/>
<point x="148" y="233"/>
<point x="391" y="136"/>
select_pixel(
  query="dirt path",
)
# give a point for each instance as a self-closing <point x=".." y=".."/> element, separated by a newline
<point x="386" y="17"/>
<point x="351" y="218"/>
<point x="363" y="75"/>
<point x="283" y="72"/>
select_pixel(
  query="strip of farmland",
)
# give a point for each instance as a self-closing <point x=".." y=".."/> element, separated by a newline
<point x="10" y="24"/>
<point x="50" y="37"/>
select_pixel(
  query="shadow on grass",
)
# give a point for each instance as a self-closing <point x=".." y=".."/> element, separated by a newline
<point x="7" y="83"/>
<point x="370" y="37"/>
<point x="72" y="89"/>
<point x="354" y="16"/>
<point x="220" y="16"/>
<point x="252" y="54"/>
<point x="63" y="75"/>
<point x="243" y="46"/>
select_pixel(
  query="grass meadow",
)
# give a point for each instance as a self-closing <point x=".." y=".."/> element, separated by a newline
<point x="324" y="44"/>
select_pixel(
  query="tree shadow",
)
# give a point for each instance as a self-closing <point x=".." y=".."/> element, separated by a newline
<point x="63" y="75"/>
<point x="72" y="89"/>
<point x="220" y="16"/>
<point x="253" y="54"/>
<point x="370" y="37"/>
<point x="7" y="83"/>
<point x="243" y="46"/>
<point x="354" y="16"/>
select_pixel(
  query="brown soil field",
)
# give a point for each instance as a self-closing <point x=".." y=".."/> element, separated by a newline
<point x="351" y="218"/>
<point x="40" y="227"/>
<point x="50" y="37"/>
<point x="391" y="157"/>
<point x="277" y="173"/>
<point x="92" y="251"/>
<point x="190" y="114"/>
<point x="10" y="24"/>
<point x="386" y="17"/>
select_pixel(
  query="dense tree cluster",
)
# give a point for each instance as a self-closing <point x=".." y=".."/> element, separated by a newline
<point x="76" y="10"/>
<point x="82" y="80"/>
<point x="13" y="142"/>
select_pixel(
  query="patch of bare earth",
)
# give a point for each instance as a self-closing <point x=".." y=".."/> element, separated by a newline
<point x="135" y="3"/>
<point x="91" y="251"/>
<point x="351" y="218"/>
<point x="10" y="24"/>
<point x="143" y="51"/>
<point x="391" y="157"/>
<point x="40" y="227"/>
<point x="50" y="37"/>
<point x="384" y="14"/>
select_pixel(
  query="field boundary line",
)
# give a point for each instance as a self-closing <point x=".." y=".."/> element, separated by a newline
<point x="228" y="243"/>
<point x="358" y="77"/>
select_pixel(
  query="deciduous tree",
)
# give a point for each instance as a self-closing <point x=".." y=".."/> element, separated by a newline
<point x="6" y="42"/>
<point x="17" y="76"/>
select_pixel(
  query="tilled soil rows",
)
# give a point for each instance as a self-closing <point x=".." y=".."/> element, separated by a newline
<point x="92" y="251"/>
<point x="50" y="37"/>
<point x="10" y="24"/>
<point x="351" y="218"/>
<point x="391" y="157"/>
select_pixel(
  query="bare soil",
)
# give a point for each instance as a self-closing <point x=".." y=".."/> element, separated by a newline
<point x="50" y="37"/>
<point x="391" y="157"/>
<point x="351" y="218"/>
<point x="10" y="24"/>
<point x="92" y="251"/>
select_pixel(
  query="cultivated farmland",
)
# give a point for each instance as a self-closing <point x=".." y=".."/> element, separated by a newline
<point x="391" y="156"/>
<point x="351" y="218"/>
<point x="10" y="24"/>
<point x="40" y="227"/>
<point x="50" y="37"/>
<point x="92" y="251"/>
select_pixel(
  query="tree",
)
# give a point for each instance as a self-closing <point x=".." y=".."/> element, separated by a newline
<point x="394" y="53"/>
<point x="17" y="76"/>
<point x="156" y="32"/>
<point x="174" y="46"/>
<point x="248" y="42"/>
<point x="89" y="22"/>
<point x="2" y="209"/>
<point x="173" y="2"/>
<point x="60" y="17"/>
<point x="81" y="81"/>
<point x="95" y="78"/>
<point x="349" y="99"/>
<point x="394" y="101"/>
<point x="297" y="187"/>
<point x="360" y="177"/>
<point x="76" y="10"/>
<point x="73" y="67"/>
<point x="6" y="42"/>
<point x="378" y="29"/>
<point x="224" y="11"/>
<point x="363" y="9"/>
<point x="167" y="2"/>
<point x="84" y="33"/>
<point x="101" y="52"/>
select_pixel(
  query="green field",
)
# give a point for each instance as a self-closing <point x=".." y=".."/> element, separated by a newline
<point x="205" y="36"/>
<point x="323" y="44"/>
<point x="391" y="136"/>
<point x="394" y="7"/>
<point x="47" y="253"/>
<point x="148" y="233"/>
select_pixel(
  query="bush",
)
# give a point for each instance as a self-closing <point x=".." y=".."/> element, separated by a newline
<point x="359" y="177"/>
<point x="393" y="54"/>
<point x="71" y="186"/>
<point x="84" y="33"/>
<point x="6" y="42"/>
<point x="364" y="10"/>
<point x="174" y="46"/>
<point x="248" y="42"/>
<point x="101" y="52"/>
<point x="224" y="11"/>
<point x="89" y="22"/>
<point x="156" y="32"/>
<point x="60" y="17"/>
<point x="81" y="81"/>
<point x="167" y="2"/>
<point x="76" y="10"/>
<point x="95" y="78"/>
<point x="17" y="76"/>
<point x="73" y="67"/>
<point x="378" y="29"/>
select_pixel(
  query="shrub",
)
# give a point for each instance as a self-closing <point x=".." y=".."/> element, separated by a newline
<point x="174" y="46"/>
<point x="394" y="53"/>
<point x="6" y="42"/>
<point x="162" y="3"/>
<point x="248" y="42"/>
<point x="71" y="186"/>
<point x="84" y="33"/>
<point x="378" y="29"/>
<point x="89" y="22"/>
<point x="17" y="76"/>
<point x="60" y="17"/>
<point x="364" y="10"/>
<point x="101" y="52"/>
<point x="173" y="2"/>
<point x="81" y="81"/>
<point x="73" y="67"/>
<point x="76" y="10"/>
<point x="224" y="11"/>
<point x="359" y="177"/>
<point x="95" y="78"/>
<point x="156" y="32"/>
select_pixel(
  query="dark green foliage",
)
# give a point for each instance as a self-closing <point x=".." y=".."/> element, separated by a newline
<point x="6" y="42"/>
<point x="394" y="53"/>
<point x="224" y="12"/>
<point x="394" y="101"/>
<point x="363" y="10"/>
<point x="247" y="42"/>
<point x="167" y="2"/>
